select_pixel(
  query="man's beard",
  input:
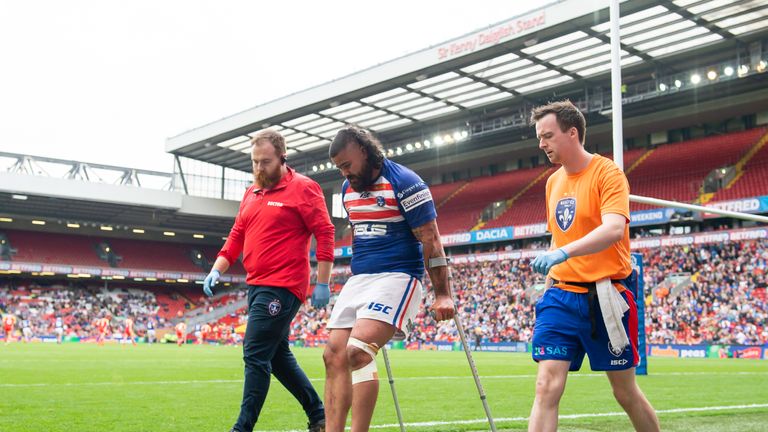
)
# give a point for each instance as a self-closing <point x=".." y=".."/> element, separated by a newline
<point x="267" y="180"/>
<point x="362" y="182"/>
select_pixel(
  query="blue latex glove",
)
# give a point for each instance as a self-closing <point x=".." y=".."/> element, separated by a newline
<point x="544" y="262"/>
<point x="321" y="295"/>
<point x="210" y="282"/>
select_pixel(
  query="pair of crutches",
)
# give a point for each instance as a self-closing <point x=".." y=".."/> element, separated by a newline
<point x="472" y="367"/>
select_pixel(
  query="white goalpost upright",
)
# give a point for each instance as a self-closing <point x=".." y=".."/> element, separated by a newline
<point x="616" y="112"/>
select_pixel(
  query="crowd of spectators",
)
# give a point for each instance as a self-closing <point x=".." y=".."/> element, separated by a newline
<point x="78" y="307"/>
<point x="713" y="293"/>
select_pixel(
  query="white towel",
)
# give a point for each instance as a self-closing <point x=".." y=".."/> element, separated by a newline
<point x="613" y="307"/>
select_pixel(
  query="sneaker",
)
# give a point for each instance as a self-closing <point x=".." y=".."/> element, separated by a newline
<point x="317" y="427"/>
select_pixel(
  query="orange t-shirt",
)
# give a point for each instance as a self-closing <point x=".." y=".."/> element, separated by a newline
<point x="575" y="206"/>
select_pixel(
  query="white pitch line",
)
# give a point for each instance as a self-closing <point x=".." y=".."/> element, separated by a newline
<point x="562" y="417"/>
<point x="116" y="383"/>
<point x="424" y="378"/>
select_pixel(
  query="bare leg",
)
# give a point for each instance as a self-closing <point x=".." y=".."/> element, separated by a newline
<point x="632" y="399"/>
<point x="338" y="381"/>
<point x="550" y="384"/>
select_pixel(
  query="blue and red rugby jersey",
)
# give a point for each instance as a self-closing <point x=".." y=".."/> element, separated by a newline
<point x="382" y="218"/>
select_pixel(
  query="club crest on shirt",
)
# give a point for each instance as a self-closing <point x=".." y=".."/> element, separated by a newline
<point x="274" y="307"/>
<point x="617" y="352"/>
<point x="380" y="201"/>
<point x="565" y="213"/>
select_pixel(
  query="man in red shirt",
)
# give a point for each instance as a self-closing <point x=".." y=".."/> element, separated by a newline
<point x="205" y="333"/>
<point x="128" y="332"/>
<point x="181" y="333"/>
<point x="277" y="216"/>
<point x="102" y="326"/>
<point x="9" y="322"/>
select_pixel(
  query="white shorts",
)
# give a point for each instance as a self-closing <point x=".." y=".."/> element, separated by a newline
<point x="59" y="331"/>
<point x="393" y="298"/>
<point x="27" y="331"/>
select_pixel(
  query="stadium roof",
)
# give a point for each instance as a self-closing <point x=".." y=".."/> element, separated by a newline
<point x="93" y="195"/>
<point x="561" y="43"/>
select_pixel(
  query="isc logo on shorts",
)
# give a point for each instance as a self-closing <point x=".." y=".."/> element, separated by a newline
<point x="378" y="307"/>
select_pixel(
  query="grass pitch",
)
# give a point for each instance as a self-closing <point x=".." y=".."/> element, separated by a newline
<point x="83" y="387"/>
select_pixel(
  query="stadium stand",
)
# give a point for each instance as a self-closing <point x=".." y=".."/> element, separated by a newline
<point x="154" y="255"/>
<point x="53" y="248"/>
<point x="670" y="172"/>
<point x="78" y="250"/>
<point x="463" y="210"/>
<point x="752" y="175"/>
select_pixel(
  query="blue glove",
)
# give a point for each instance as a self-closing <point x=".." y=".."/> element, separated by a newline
<point x="544" y="262"/>
<point x="210" y="282"/>
<point x="321" y="295"/>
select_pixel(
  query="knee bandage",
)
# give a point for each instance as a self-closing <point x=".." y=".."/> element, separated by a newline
<point x="368" y="372"/>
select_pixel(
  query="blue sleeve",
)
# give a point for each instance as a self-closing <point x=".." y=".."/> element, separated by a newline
<point x="414" y="199"/>
<point x="344" y="188"/>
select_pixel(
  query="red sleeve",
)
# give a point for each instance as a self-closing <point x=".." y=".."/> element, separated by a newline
<point x="315" y="215"/>
<point x="233" y="247"/>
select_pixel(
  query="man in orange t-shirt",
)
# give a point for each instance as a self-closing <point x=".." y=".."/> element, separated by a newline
<point x="587" y="204"/>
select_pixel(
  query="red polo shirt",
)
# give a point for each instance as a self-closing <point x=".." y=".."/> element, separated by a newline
<point x="273" y="228"/>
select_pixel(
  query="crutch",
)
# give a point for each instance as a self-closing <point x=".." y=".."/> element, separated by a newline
<point x="392" y="386"/>
<point x="460" y="328"/>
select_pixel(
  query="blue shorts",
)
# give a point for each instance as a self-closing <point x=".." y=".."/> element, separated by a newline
<point x="563" y="331"/>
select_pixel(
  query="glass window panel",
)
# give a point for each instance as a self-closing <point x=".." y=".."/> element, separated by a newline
<point x="685" y="45"/>
<point x="460" y="90"/>
<point x="383" y="95"/>
<point x="341" y="108"/>
<point x="434" y="80"/>
<point x="545" y="83"/>
<point x="645" y="35"/>
<point x="672" y="38"/>
<point x="580" y="55"/>
<point x="486" y="100"/>
<point x="490" y="63"/>
<point x="300" y="120"/>
<point x="392" y="124"/>
<point x="556" y="42"/>
<point x="435" y="113"/>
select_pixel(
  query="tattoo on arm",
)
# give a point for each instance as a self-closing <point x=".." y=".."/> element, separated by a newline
<point x="429" y="237"/>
